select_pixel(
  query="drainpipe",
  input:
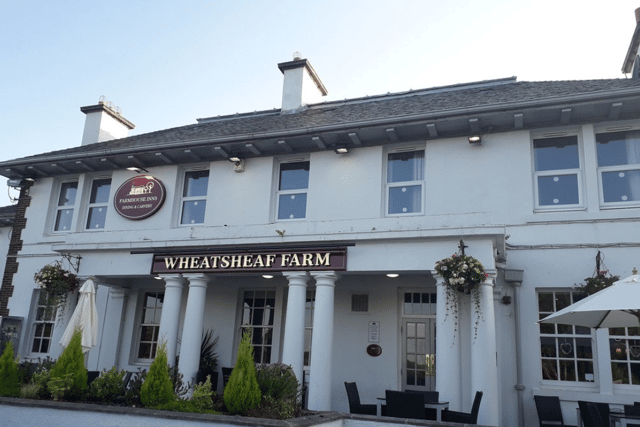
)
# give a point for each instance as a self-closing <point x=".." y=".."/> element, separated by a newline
<point x="514" y="277"/>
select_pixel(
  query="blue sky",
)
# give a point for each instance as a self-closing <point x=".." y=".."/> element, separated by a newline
<point x="166" y="63"/>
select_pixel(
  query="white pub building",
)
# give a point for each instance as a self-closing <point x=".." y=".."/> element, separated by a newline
<point x="317" y="226"/>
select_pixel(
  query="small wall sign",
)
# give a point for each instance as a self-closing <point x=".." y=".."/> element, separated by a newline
<point x="374" y="331"/>
<point x="139" y="197"/>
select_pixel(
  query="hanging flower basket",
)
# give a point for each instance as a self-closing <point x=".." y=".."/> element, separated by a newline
<point x="57" y="282"/>
<point x="601" y="280"/>
<point x="462" y="274"/>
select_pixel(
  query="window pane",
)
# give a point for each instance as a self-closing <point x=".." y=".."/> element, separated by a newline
<point x="195" y="183"/>
<point x="556" y="153"/>
<point x="97" y="218"/>
<point x="100" y="191"/>
<point x="406" y="199"/>
<point x="558" y="190"/>
<point x="68" y="192"/>
<point x="621" y="186"/>
<point x="405" y="166"/>
<point x="63" y="220"/>
<point x="193" y="212"/>
<point x="292" y="206"/>
<point x="294" y="176"/>
<point x="618" y="148"/>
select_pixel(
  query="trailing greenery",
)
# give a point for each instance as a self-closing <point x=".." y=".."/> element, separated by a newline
<point x="57" y="282"/>
<point x="601" y="280"/>
<point x="242" y="392"/>
<point x="9" y="381"/>
<point x="157" y="388"/>
<point x="71" y="361"/>
<point x="108" y="387"/>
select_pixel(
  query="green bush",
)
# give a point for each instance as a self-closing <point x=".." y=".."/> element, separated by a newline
<point x="281" y="394"/>
<point x="132" y="393"/>
<point x="242" y="391"/>
<point x="61" y="386"/>
<point x="9" y="383"/>
<point x="108" y="387"/>
<point x="71" y="361"/>
<point x="36" y="388"/>
<point x="157" y="388"/>
<point x="201" y="398"/>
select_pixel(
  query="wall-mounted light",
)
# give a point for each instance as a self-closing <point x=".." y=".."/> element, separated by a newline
<point x="235" y="158"/>
<point x="393" y="275"/>
<point x="267" y="276"/>
<point x="19" y="183"/>
<point x="137" y="169"/>
<point x="341" y="149"/>
<point x="475" y="139"/>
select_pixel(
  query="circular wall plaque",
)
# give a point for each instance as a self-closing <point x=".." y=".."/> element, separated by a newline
<point x="374" y="350"/>
<point x="139" y="197"/>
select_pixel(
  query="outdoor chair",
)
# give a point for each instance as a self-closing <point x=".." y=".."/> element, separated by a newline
<point x="401" y="404"/>
<point x="429" y="397"/>
<point x="549" y="411"/>
<point x="463" y="417"/>
<point x="594" y="414"/>
<point x="226" y="373"/>
<point x="632" y="411"/>
<point x="355" y="407"/>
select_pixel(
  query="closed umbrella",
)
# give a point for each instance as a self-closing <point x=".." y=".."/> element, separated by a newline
<point x="84" y="317"/>
<point x="614" y="307"/>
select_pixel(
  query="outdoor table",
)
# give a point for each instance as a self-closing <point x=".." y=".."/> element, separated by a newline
<point x="438" y="406"/>
<point x="620" y="418"/>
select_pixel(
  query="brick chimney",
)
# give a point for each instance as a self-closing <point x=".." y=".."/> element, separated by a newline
<point x="301" y="85"/>
<point x="632" y="61"/>
<point x="104" y="122"/>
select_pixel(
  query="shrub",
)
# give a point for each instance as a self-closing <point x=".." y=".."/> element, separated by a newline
<point x="280" y="392"/>
<point x="61" y="385"/>
<point x="132" y="393"/>
<point x="201" y="398"/>
<point x="108" y="387"/>
<point x="71" y="361"/>
<point x="9" y="384"/>
<point x="37" y="387"/>
<point x="242" y="391"/>
<point x="157" y="388"/>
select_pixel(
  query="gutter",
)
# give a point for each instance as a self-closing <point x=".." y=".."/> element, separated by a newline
<point x="466" y="111"/>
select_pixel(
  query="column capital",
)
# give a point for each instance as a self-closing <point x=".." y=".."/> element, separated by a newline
<point x="297" y="278"/>
<point x="172" y="280"/>
<point x="325" y="278"/>
<point x="197" y="279"/>
<point x="438" y="277"/>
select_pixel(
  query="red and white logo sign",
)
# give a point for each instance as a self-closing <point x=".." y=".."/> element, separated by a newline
<point x="139" y="197"/>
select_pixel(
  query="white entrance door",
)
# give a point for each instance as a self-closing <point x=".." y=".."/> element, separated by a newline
<point x="418" y="341"/>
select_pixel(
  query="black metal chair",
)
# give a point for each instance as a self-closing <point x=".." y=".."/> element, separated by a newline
<point x="549" y="411"/>
<point x="401" y="404"/>
<point x="464" y="417"/>
<point x="429" y="397"/>
<point x="355" y="407"/>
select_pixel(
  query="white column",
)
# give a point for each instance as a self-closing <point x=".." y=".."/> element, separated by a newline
<point x="109" y="344"/>
<point x="484" y="370"/>
<point x="293" y="347"/>
<point x="447" y="349"/>
<point x="192" y="329"/>
<point x="170" y="319"/>
<point x="322" y="342"/>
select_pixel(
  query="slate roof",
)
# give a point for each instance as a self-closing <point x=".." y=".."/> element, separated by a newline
<point x="7" y="215"/>
<point x="479" y="96"/>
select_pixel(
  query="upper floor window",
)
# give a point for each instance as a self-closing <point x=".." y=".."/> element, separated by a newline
<point x="194" y="197"/>
<point x="566" y="351"/>
<point x="66" y="205"/>
<point x="98" y="202"/>
<point x="292" y="190"/>
<point x="619" y="167"/>
<point x="405" y="182"/>
<point x="557" y="172"/>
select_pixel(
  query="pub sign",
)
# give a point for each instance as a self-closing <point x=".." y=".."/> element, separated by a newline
<point x="139" y="197"/>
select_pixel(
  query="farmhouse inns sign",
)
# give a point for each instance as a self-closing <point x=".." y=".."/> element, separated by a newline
<point x="139" y="197"/>
<point x="259" y="261"/>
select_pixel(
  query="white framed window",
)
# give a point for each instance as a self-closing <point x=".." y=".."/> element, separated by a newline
<point x="624" y="345"/>
<point x="149" y="325"/>
<point x="405" y="183"/>
<point x="43" y="324"/>
<point x="419" y="304"/>
<point x="566" y="351"/>
<point x="98" y="203"/>
<point x="619" y="168"/>
<point x="258" y="315"/>
<point x="194" y="197"/>
<point x="293" y="183"/>
<point x="65" y="206"/>
<point x="557" y="172"/>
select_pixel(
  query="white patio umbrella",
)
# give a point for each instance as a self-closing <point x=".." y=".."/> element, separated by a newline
<point x="614" y="307"/>
<point x="84" y="317"/>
